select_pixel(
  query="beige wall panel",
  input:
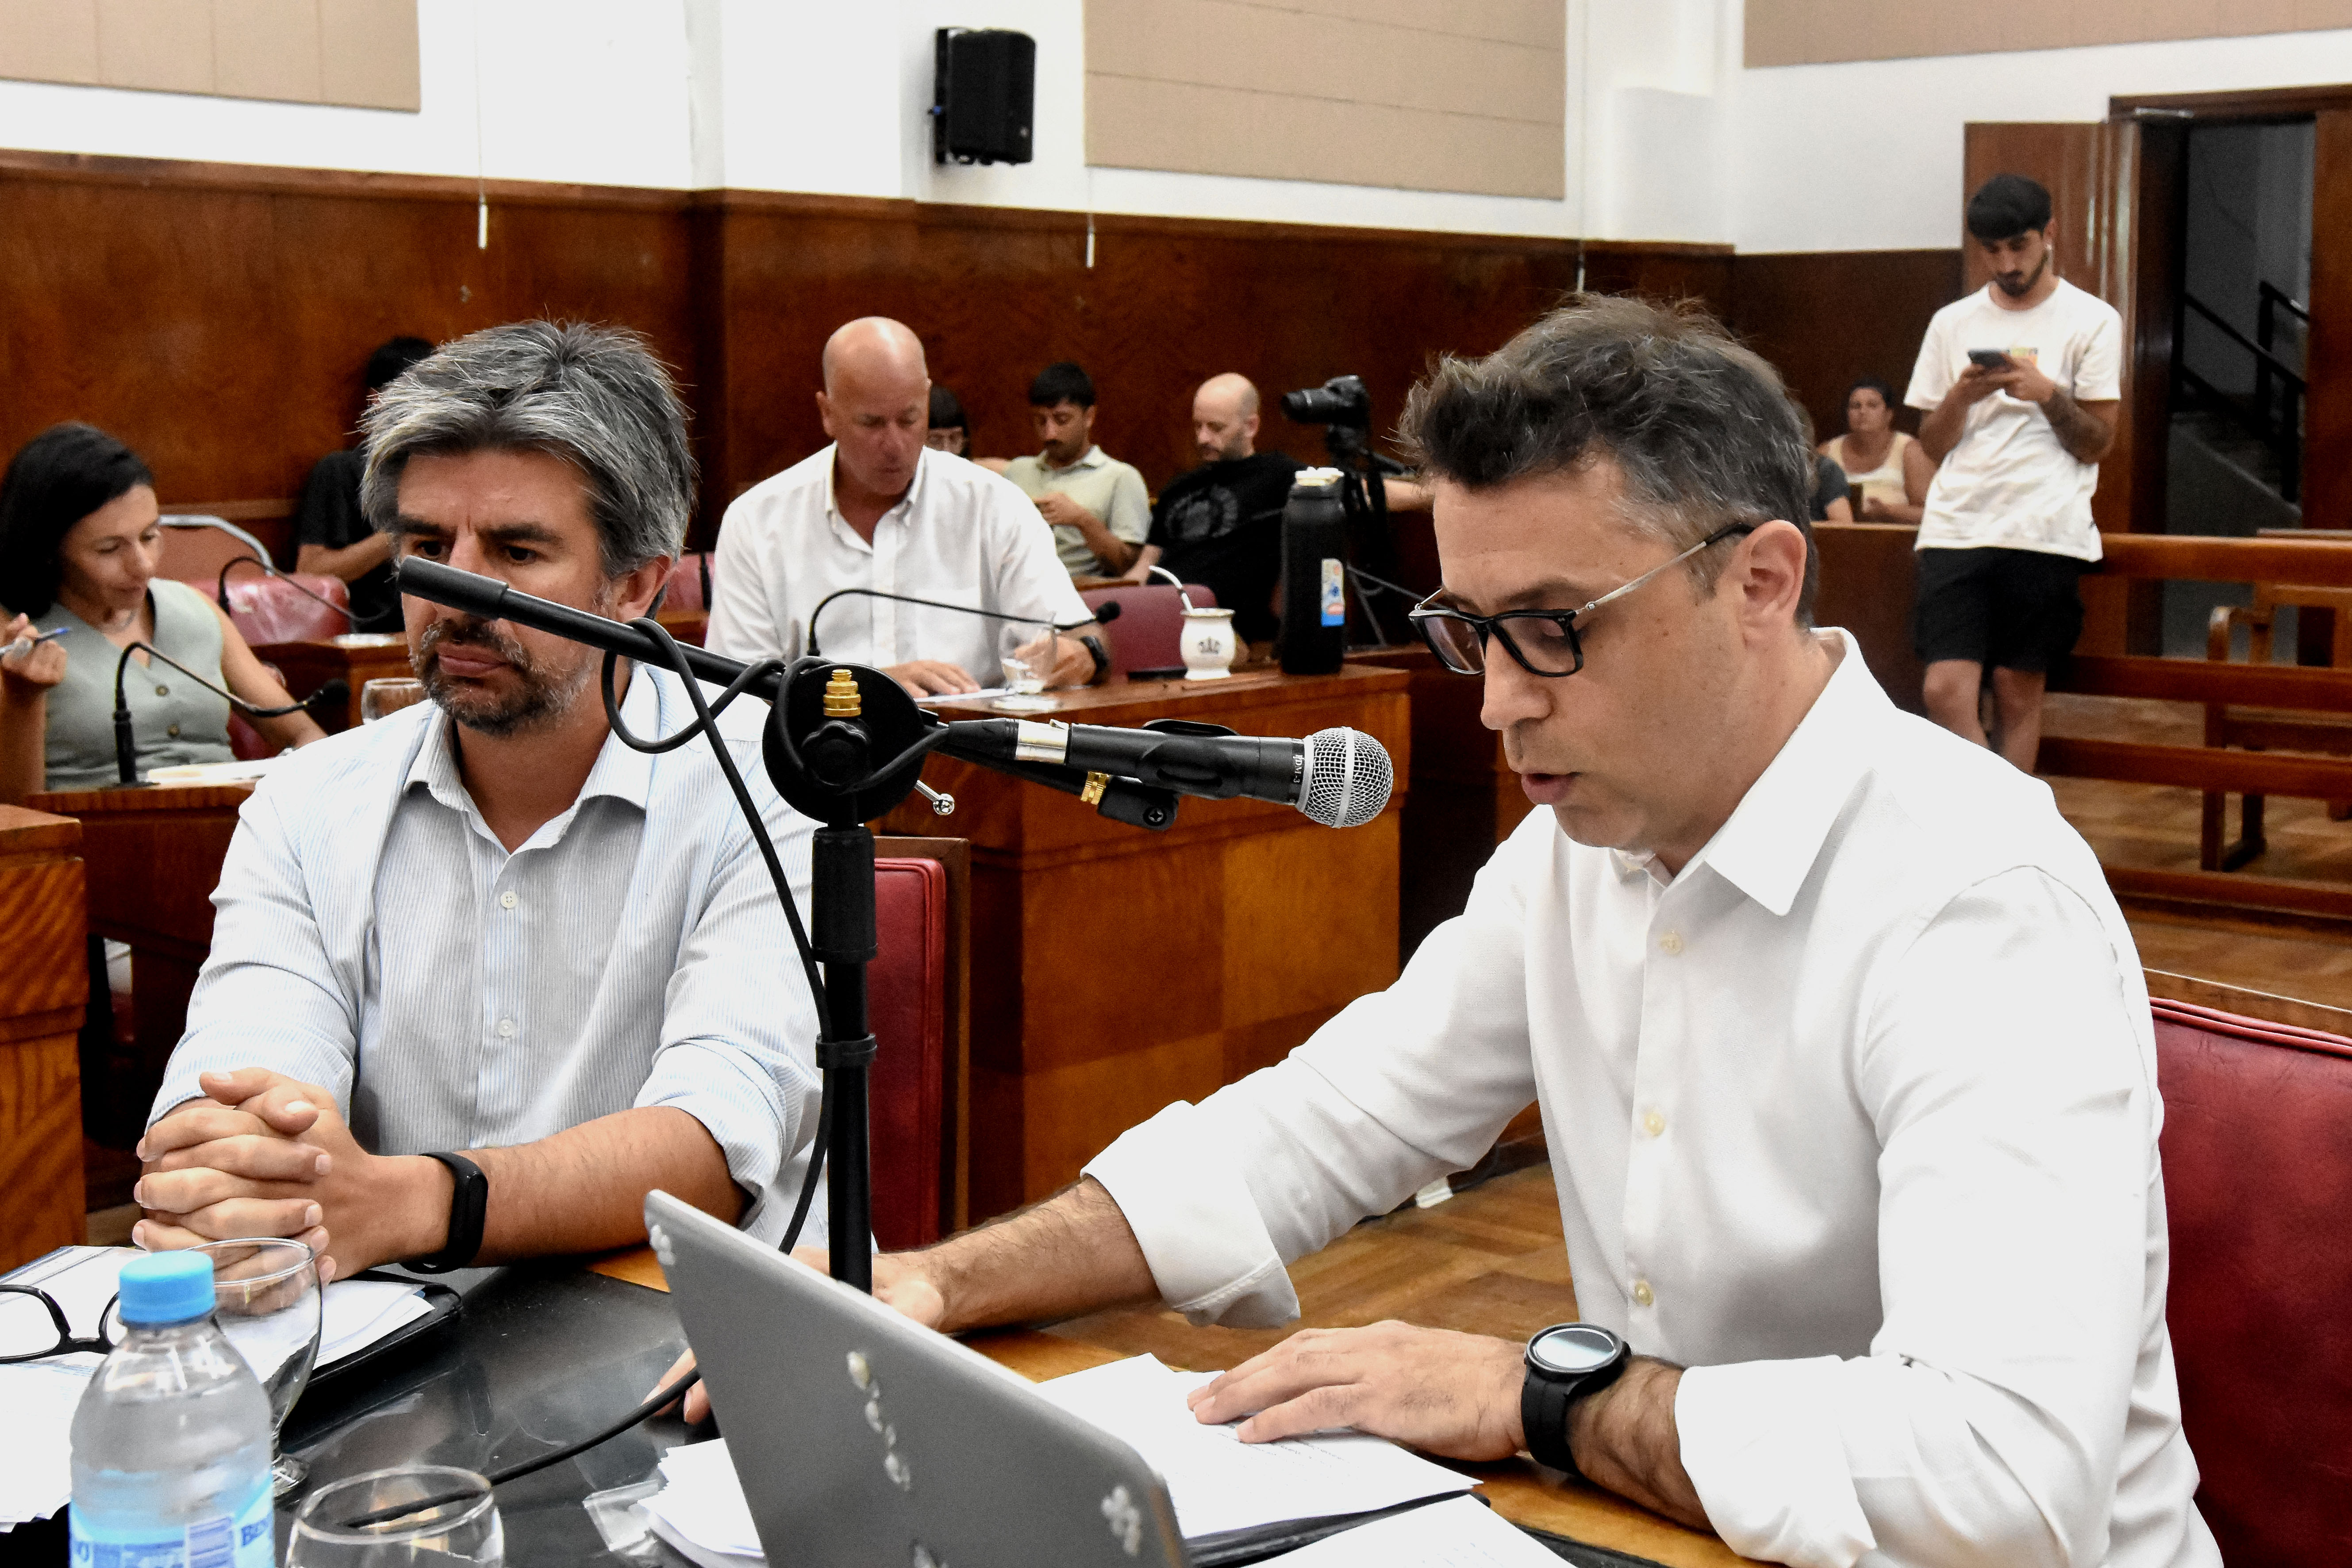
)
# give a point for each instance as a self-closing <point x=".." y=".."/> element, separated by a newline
<point x="1206" y="129"/>
<point x="1800" y="32"/>
<point x="166" y="45"/>
<point x="49" y="41"/>
<point x="367" y="53"/>
<point x="1293" y="54"/>
<point x="1540" y="23"/>
<point x="266" y="48"/>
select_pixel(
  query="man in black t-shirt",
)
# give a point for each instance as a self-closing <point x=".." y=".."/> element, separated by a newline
<point x="335" y="540"/>
<point x="1220" y="524"/>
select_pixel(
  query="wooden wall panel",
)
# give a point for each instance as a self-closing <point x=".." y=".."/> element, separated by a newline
<point x="2327" y="416"/>
<point x="1825" y="318"/>
<point x="43" y="985"/>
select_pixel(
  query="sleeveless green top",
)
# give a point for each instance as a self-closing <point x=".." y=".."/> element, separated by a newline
<point x="173" y="720"/>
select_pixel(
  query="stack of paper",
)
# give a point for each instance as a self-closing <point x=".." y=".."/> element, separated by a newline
<point x="700" y="1507"/>
<point x="1461" y="1533"/>
<point x="1219" y="1483"/>
<point x="35" y="1467"/>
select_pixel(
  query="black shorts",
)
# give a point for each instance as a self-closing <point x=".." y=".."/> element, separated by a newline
<point x="2011" y="609"/>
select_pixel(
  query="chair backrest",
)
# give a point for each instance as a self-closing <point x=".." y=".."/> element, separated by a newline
<point x="689" y="583"/>
<point x="1149" y="631"/>
<point x="2258" y="1181"/>
<point x="907" y="1008"/>
<point x="196" y="548"/>
<point x="275" y="609"/>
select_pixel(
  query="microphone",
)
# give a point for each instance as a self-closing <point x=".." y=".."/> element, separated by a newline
<point x="1107" y="614"/>
<point x="334" y="693"/>
<point x="1339" y="777"/>
<point x="220" y="586"/>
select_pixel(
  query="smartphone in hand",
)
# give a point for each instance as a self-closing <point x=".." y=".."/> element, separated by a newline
<point x="1989" y="358"/>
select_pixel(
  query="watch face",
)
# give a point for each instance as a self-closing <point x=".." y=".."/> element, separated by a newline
<point x="1574" y="1349"/>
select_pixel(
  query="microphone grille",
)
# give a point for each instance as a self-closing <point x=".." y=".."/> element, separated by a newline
<point x="1347" y="778"/>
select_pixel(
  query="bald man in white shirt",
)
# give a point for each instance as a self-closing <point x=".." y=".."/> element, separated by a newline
<point x="882" y="516"/>
<point x="1840" y="1043"/>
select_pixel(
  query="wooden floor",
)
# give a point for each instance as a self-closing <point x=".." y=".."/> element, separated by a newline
<point x="2156" y="828"/>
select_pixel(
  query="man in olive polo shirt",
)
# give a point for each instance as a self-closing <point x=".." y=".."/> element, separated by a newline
<point x="1099" y="509"/>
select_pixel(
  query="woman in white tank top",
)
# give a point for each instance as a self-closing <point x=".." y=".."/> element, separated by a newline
<point x="1892" y="468"/>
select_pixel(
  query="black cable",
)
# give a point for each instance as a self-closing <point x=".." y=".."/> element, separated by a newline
<point x="239" y="703"/>
<point x="220" y="584"/>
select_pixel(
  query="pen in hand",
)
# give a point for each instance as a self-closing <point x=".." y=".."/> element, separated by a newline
<point x="26" y="644"/>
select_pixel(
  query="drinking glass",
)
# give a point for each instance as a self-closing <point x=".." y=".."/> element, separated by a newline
<point x="1026" y="651"/>
<point x="378" y="697"/>
<point x="266" y="1298"/>
<point x="415" y="1515"/>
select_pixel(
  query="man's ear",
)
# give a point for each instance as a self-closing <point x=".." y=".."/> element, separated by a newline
<point x="824" y="415"/>
<point x="1772" y="575"/>
<point x="634" y="591"/>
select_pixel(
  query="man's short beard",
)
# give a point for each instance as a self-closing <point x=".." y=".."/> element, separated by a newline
<point x="2027" y="286"/>
<point x="539" y="701"/>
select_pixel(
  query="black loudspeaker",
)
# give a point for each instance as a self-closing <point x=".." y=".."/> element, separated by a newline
<point x="983" y="94"/>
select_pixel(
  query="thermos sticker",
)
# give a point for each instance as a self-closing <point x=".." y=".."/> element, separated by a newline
<point x="1335" y="593"/>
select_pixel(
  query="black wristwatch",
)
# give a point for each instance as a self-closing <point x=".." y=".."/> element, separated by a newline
<point x="469" y="1203"/>
<point x="1565" y="1362"/>
<point x="1101" y="657"/>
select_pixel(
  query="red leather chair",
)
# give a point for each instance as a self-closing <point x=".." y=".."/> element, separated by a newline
<point x="2257" y="1148"/>
<point x="275" y="609"/>
<point x="907" y="1008"/>
<point x="689" y="583"/>
<point x="1148" y="633"/>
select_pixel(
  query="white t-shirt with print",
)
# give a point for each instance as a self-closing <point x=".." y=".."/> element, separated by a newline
<point x="2007" y="482"/>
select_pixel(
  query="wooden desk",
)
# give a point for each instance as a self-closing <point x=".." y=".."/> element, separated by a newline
<point x="153" y="858"/>
<point x="44" y="986"/>
<point x="1465" y="799"/>
<point x="1489" y="1261"/>
<point x="357" y="656"/>
<point x="1113" y="970"/>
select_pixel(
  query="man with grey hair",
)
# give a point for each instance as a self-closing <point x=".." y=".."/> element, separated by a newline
<point x="1842" y="1052"/>
<point x="482" y="976"/>
<point x="877" y="519"/>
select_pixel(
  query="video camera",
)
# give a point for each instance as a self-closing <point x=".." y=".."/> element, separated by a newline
<point x="1342" y="400"/>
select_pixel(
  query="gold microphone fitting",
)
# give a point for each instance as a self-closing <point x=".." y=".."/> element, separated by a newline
<point x="841" y="699"/>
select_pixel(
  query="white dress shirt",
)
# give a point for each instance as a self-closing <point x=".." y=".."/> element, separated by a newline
<point x="374" y="937"/>
<point x="1855" y="1118"/>
<point x="960" y="535"/>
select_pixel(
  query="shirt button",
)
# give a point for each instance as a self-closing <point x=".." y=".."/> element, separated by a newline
<point x="1643" y="1294"/>
<point x="506" y="1028"/>
<point x="1652" y="1123"/>
<point x="173" y="729"/>
<point x="163" y="692"/>
<point x="1671" y="944"/>
<point x="507" y="901"/>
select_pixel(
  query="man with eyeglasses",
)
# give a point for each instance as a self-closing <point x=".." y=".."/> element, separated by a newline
<point x="1843" y="1051"/>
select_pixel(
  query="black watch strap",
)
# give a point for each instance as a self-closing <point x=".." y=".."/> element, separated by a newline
<point x="469" y="1205"/>
<point x="1101" y="658"/>
<point x="1545" y="1397"/>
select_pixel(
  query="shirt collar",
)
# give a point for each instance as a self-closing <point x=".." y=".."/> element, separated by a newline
<point x="1092" y="457"/>
<point x="1780" y="826"/>
<point x="904" y="503"/>
<point x="620" y="772"/>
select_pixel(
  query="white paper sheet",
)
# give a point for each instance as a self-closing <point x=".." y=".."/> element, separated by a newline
<point x="1461" y="1533"/>
<point x="985" y="694"/>
<point x="39" y="1397"/>
<point x="702" y="1500"/>
<point x="1216" y="1482"/>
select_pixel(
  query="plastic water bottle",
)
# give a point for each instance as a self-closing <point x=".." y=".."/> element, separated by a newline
<point x="171" y="1441"/>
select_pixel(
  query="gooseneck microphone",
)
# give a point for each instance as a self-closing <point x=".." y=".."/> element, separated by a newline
<point x="126" y="750"/>
<point x="1339" y="777"/>
<point x="1103" y="616"/>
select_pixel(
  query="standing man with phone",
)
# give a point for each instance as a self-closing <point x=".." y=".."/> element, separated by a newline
<point x="2020" y="382"/>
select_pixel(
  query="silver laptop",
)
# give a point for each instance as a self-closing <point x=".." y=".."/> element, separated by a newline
<point x="863" y="1438"/>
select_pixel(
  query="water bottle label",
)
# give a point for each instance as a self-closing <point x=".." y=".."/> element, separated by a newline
<point x="220" y="1541"/>
<point x="1335" y="593"/>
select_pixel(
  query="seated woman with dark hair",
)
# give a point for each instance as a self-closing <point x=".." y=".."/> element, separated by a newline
<point x="81" y="539"/>
<point x="1892" y="468"/>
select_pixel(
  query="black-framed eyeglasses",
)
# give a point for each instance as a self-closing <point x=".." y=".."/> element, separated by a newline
<point x="1544" y="642"/>
<point x="34" y="1326"/>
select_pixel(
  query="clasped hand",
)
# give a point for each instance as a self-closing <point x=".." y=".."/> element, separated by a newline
<point x="2022" y="379"/>
<point x="265" y="1155"/>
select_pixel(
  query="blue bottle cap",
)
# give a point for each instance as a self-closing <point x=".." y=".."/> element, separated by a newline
<point x="167" y="1287"/>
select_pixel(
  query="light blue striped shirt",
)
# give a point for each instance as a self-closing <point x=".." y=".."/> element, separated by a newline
<point x="374" y="937"/>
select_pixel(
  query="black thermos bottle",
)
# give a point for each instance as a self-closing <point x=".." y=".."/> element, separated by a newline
<point x="1314" y="579"/>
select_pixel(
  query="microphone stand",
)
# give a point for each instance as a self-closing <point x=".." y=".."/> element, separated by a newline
<point x="220" y="584"/>
<point x="126" y="751"/>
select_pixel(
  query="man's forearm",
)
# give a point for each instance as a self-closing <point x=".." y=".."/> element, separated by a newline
<point x="1939" y="431"/>
<point x="1624" y="1438"/>
<point x="584" y="1189"/>
<point x="349" y="562"/>
<point x="1073" y="1253"/>
<point x="1115" y="554"/>
<point x="2085" y="434"/>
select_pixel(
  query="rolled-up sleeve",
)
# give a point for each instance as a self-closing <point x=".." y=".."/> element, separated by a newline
<point x="739" y="1029"/>
<point x="2020" y="1207"/>
<point x="268" y="995"/>
<point x="1403" y="1086"/>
